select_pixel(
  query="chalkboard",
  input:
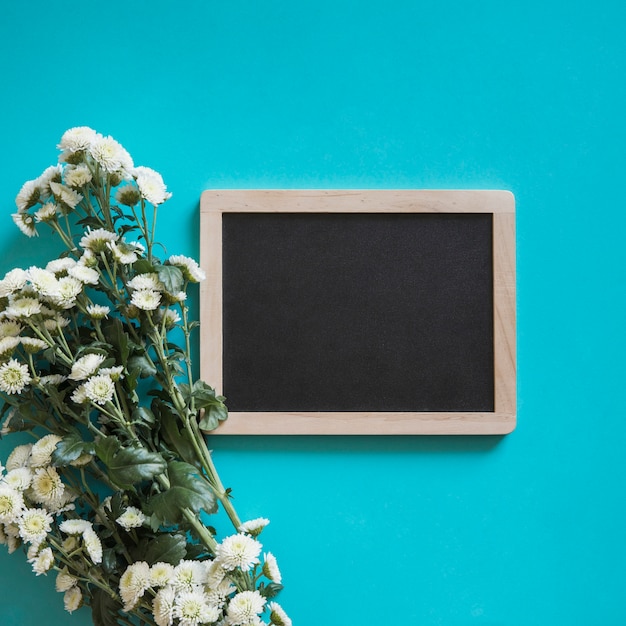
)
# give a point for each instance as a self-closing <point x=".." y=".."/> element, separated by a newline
<point x="360" y="312"/>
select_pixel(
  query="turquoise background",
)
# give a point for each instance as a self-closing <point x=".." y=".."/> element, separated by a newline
<point x="521" y="530"/>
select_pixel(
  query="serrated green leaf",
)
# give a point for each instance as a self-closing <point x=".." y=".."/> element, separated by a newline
<point x="270" y="590"/>
<point x="143" y="415"/>
<point x="166" y="549"/>
<point x="213" y="415"/>
<point x="104" y="608"/>
<point x="143" y="266"/>
<point x="172" y="434"/>
<point x="171" y="277"/>
<point x="69" y="449"/>
<point x="114" y="333"/>
<point x="141" y="364"/>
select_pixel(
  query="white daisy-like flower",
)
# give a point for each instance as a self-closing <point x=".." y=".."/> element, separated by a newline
<point x="96" y="240"/>
<point x="41" y="452"/>
<point x="133" y="583"/>
<point x="13" y="543"/>
<point x="187" y="574"/>
<point x="77" y="139"/>
<point x="71" y="543"/>
<point x="77" y="175"/>
<point x="215" y="573"/>
<point x="85" y="366"/>
<point x="11" y="504"/>
<point x="14" y="377"/>
<point x="28" y="195"/>
<point x="218" y="594"/>
<point x="161" y="574"/>
<point x="44" y="281"/>
<point x="52" y="379"/>
<point x="73" y="599"/>
<point x="56" y="324"/>
<point x="111" y="155"/>
<point x="60" y="266"/>
<point x="149" y="280"/>
<point x="98" y="311"/>
<point x="88" y="258"/>
<point x="115" y="372"/>
<point x="99" y="389"/>
<point x="65" y="581"/>
<point x="44" y="562"/>
<point x="32" y="551"/>
<point x="122" y="252"/>
<point x="64" y="194"/>
<point x="32" y="345"/>
<point x="146" y="299"/>
<point x="132" y="517"/>
<point x="151" y="185"/>
<point x="190" y="268"/>
<point x="8" y="345"/>
<point x="86" y="275"/>
<point x="47" y="487"/>
<point x="22" y="308"/>
<point x="245" y="607"/>
<point x="169" y="317"/>
<point x="74" y="526"/>
<point x="163" y="606"/>
<point x="254" y="526"/>
<point x="128" y="195"/>
<point x="18" y="478"/>
<point x="26" y="223"/>
<point x="192" y="608"/>
<point x="10" y="328"/>
<point x="19" y="457"/>
<point x="34" y="525"/>
<point x="93" y="545"/>
<point x="238" y="551"/>
<point x="79" y="395"/>
<point x="52" y="173"/>
<point x="278" y="615"/>
<point x="270" y="568"/>
<point x="69" y="289"/>
<point x="46" y="213"/>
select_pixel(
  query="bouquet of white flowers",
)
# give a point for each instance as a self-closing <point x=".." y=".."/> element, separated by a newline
<point x="114" y="491"/>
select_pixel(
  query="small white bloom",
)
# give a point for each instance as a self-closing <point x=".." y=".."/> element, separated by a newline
<point x="133" y="583"/>
<point x="79" y="395"/>
<point x="111" y="155"/>
<point x="114" y="372"/>
<point x="14" y="377"/>
<point x="215" y="573"/>
<point x="254" y="526"/>
<point x="85" y="366"/>
<point x="77" y="139"/>
<point x="11" y="504"/>
<point x="96" y="240"/>
<point x="132" y="517"/>
<point x="270" y="568"/>
<point x="32" y="345"/>
<point x="169" y="317"/>
<point x="46" y="213"/>
<point x="69" y="289"/>
<point x="65" y="195"/>
<point x="44" y="281"/>
<point x="192" y="608"/>
<point x="60" y="266"/>
<point x="65" y="581"/>
<point x="238" y="551"/>
<point x="163" y="606"/>
<point x="161" y="574"/>
<point x="44" y="562"/>
<point x="151" y="185"/>
<point x="77" y="175"/>
<point x="52" y="379"/>
<point x="8" y="345"/>
<point x="128" y="195"/>
<point x="21" y="308"/>
<point x="245" y="607"/>
<point x="85" y="274"/>
<point x="74" y="526"/>
<point x="10" y="328"/>
<point x="52" y="173"/>
<point x="146" y="299"/>
<point x="98" y="311"/>
<point x="28" y="195"/>
<point x="18" y="478"/>
<point x="34" y="525"/>
<point x="187" y="574"/>
<point x="19" y="457"/>
<point x="93" y="545"/>
<point x="48" y="488"/>
<point x="73" y="599"/>
<point x="218" y="594"/>
<point x="190" y="268"/>
<point x="41" y="452"/>
<point x="278" y="615"/>
<point x="88" y="258"/>
<point x="56" y="324"/>
<point x="13" y="543"/>
<point x="100" y="388"/>
<point x="149" y="280"/>
<point x="13" y="281"/>
<point x="26" y="224"/>
<point x="122" y="253"/>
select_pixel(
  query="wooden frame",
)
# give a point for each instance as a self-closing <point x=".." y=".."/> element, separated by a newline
<point x="500" y="204"/>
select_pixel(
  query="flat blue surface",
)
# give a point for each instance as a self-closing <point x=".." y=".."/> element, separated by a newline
<point x="526" y="530"/>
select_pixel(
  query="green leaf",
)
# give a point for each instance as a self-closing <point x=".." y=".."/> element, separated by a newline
<point x="143" y="415"/>
<point x="143" y="266"/>
<point x="104" y="608"/>
<point x="187" y="491"/>
<point x="213" y="415"/>
<point x="270" y="590"/>
<point x="141" y="364"/>
<point x="114" y="333"/>
<point x="69" y="449"/>
<point x="165" y="549"/>
<point x="171" y="433"/>
<point x="171" y="277"/>
<point x="128" y="466"/>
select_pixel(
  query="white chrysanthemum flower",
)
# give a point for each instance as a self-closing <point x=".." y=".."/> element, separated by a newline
<point x="215" y="573"/>
<point x="86" y="275"/>
<point x="77" y="139"/>
<point x="190" y="268"/>
<point x="163" y="606"/>
<point x="13" y="543"/>
<point x="111" y="155"/>
<point x="60" y="266"/>
<point x="79" y="395"/>
<point x="73" y="599"/>
<point x="34" y="525"/>
<point x="151" y="185"/>
<point x="192" y="608"/>
<point x="88" y="258"/>
<point x="44" y="282"/>
<point x="98" y="311"/>
<point x="52" y="379"/>
<point x="77" y="175"/>
<point x="128" y="195"/>
<point x="161" y="574"/>
<point x="146" y="299"/>
<point x="93" y="545"/>
<point x="169" y="317"/>
<point x="132" y="517"/>
<point x="96" y="240"/>
<point x="13" y="280"/>
<point x="44" y="562"/>
<point x="65" y="581"/>
<point x="122" y="253"/>
<point x="14" y="377"/>
<point x="8" y="345"/>
<point x="56" y="324"/>
<point x="46" y="213"/>
<point x="41" y="452"/>
<point x="245" y="607"/>
<point x="71" y="543"/>
<point x="270" y="568"/>
<point x="99" y="389"/>
<point x="254" y="526"/>
<point x="69" y="289"/>
<point x="65" y="195"/>
<point x="149" y="280"/>
<point x="134" y="583"/>
<point x="52" y="173"/>
<point x="32" y="345"/>
<point x="85" y="366"/>
<point x="28" y="195"/>
<point x="21" y="308"/>
<point x="74" y="526"/>
<point x="278" y="615"/>
<point x="218" y="594"/>
<point x="47" y="487"/>
<point x="32" y="552"/>
<point x="19" y="457"/>
<point x="10" y="328"/>
<point x="187" y="574"/>
<point x="11" y="504"/>
<point x="115" y="372"/>
<point x="26" y="223"/>
<point x="18" y="478"/>
<point x="238" y="551"/>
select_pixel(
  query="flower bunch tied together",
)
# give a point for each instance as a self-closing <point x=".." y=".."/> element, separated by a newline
<point x="112" y="484"/>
